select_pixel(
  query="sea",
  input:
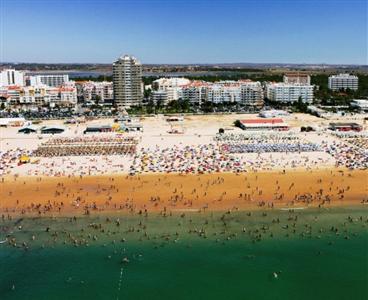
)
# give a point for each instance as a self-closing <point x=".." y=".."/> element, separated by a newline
<point x="264" y="254"/>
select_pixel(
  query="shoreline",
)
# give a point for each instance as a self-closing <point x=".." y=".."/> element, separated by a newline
<point x="158" y="173"/>
<point x="188" y="212"/>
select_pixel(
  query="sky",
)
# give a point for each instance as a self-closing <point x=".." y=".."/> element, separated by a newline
<point x="184" y="31"/>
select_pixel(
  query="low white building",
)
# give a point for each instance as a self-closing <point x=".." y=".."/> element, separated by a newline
<point x="273" y="113"/>
<point x="343" y="81"/>
<point x="36" y="96"/>
<point x="319" y="112"/>
<point x="5" y="122"/>
<point x="361" y="104"/>
<point x="160" y="96"/>
<point x="289" y="93"/>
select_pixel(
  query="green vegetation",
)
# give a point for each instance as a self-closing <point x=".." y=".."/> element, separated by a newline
<point x="237" y="76"/>
<point x="184" y="106"/>
<point x="158" y="108"/>
<point x="237" y="123"/>
<point x="147" y="93"/>
<point x="147" y="80"/>
<point x="298" y="106"/>
<point x="325" y="96"/>
<point x="93" y="78"/>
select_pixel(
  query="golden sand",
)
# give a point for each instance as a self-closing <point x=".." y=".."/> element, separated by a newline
<point x="173" y="192"/>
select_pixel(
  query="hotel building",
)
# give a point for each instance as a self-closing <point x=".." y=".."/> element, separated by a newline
<point x="49" y="80"/>
<point x="343" y="81"/>
<point x="127" y="82"/>
<point x="245" y="92"/>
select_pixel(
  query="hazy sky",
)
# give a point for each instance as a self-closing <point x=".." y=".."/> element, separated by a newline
<point x="184" y="31"/>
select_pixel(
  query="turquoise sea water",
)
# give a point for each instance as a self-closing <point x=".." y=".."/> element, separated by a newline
<point x="196" y="256"/>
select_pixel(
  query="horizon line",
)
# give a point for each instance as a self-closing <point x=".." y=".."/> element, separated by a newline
<point x="188" y="64"/>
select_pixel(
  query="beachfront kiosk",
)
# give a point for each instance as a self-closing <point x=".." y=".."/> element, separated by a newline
<point x="28" y="129"/>
<point x="98" y="129"/>
<point x="52" y="130"/>
<point x="345" y="127"/>
<point x="12" y="122"/>
<point x="264" y="124"/>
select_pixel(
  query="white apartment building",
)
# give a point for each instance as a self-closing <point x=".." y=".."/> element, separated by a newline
<point x="90" y="90"/>
<point x="224" y="92"/>
<point x="195" y="92"/>
<point x="289" y="93"/>
<point x="104" y="90"/>
<point x="54" y="80"/>
<point x="343" y="81"/>
<point x="10" y="77"/>
<point x="171" y="85"/>
<point x="246" y="92"/>
<point x="251" y="93"/>
<point x="67" y="95"/>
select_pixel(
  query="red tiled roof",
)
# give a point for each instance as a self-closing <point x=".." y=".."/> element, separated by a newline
<point x="14" y="87"/>
<point x="66" y="89"/>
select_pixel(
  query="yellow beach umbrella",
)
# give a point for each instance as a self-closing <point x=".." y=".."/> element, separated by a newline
<point x="24" y="159"/>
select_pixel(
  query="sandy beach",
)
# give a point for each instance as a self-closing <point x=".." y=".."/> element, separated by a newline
<point x="180" y="193"/>
<point x="196" y="170"/>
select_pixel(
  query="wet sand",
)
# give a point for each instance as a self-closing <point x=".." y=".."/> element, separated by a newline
<point x="167" y="193"/>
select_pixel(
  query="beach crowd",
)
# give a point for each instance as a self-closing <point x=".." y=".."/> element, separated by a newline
<point x="347" y="155"/>
<point x="241" y="152"/>
<point x="10" y="158"/>
<point x="185" y="159"/>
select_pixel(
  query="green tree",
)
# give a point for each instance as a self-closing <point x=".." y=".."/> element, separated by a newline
<point x="185" y="105"/>
<point x="147" y="93"/>
<point x="150" y="107"/>
<point x="207" y="106"/>
<point x="237" y="123"/>
<point x="300" y="105"/>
